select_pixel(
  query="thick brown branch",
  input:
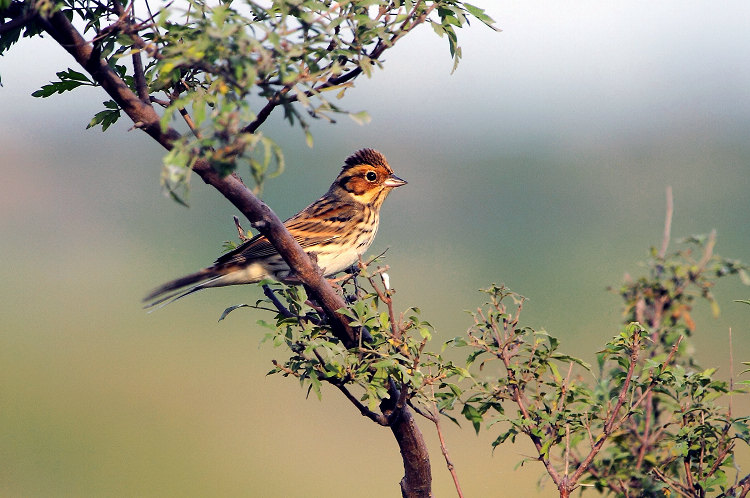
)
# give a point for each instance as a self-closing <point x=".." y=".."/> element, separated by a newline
<point x="18" y="18"/>
<point x="417" y="481"/>
<point x="142" y="113"/>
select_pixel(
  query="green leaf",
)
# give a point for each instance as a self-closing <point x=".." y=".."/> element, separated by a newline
<point x="473" y="415"/>
<point x="361" y="117"/>
<point x="481" y="15"/>
<point x="232" y="308"/>
<point x="107" y="117"/>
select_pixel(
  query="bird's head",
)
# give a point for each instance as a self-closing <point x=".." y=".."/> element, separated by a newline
<point x="366" y="177"/>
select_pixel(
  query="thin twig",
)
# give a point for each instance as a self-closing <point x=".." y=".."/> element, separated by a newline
<point x="708" y="252"/>
<point x="429" y="416"/>
<point x="240" y="230"/>
<point x="381" y="46"/>
<point x="443" y="447"/>
<point x="567" y="449"/>
<point x="375" y="417"/>
<point x="518" y="397"/>
<point x="139" y="76"/>
<point x="679" y="488"/>
<point x="189" y="121"/>
<point x="271" y="295"/>
<point x="667" y="224"/>
<point x="644" y="438"/>
<point x="612" y="423"/>
<point x="731" y="374"/>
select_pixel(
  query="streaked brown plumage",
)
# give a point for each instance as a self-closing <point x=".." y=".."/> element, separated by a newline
<point x="338" y="228"/>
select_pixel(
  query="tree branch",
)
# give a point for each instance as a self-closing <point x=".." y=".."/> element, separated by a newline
<point x="268" y="223"/>
<point x="417" y="479"/>
<point x="375" y="417"/>
<point x="18" y="18"/>
<point x="443" y="447"/>
<point x="380" y="47"/>
<point x="667" y="223"/>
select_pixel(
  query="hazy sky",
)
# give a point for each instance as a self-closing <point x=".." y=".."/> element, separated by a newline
<point x="587" y="68"/>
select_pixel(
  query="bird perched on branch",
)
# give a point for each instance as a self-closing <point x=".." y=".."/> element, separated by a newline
<point x="337" y="228"/>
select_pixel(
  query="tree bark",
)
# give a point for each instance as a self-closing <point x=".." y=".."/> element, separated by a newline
<point x="417" y="480"/>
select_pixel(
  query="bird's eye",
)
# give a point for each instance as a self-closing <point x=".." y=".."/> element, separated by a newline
<point x="371" y="176"/>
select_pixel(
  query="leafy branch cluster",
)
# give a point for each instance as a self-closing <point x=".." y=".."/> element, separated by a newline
<point x="222" y="67"/>
<point x="649" y="423"/>
<point x="386" y="372"/>
<point x="646" y="420"/>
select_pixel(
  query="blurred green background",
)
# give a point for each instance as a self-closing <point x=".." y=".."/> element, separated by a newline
<point x="541" y="163"/>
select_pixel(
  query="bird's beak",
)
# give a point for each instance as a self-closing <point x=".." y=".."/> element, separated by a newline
<point x="394" y="181"/>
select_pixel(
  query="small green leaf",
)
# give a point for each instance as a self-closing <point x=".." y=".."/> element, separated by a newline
<point x="361" y="117"/>
<point x="232" y="308"/>
<point x="481" y="15"/>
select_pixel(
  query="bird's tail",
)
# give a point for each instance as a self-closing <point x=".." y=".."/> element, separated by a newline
<point x="176" y="289"/>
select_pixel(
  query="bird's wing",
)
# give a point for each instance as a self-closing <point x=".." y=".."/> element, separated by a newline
<point x="319" y="223"/>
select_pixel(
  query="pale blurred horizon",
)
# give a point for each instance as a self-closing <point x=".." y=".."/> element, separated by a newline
<point x="540" y="163"/>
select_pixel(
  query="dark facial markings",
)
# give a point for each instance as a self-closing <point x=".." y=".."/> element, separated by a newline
<point x="360" y="178"/>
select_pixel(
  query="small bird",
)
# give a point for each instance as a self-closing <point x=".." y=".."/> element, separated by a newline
<point x="337" y="228"/>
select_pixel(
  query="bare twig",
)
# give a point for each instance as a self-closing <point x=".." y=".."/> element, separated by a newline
<point x="385" y="296"/>
<point x="567" y="449"/>
<point x="731" y="374"/>
<point x="667" y="224"/>
<point x="676" y="486"/>
<point x="708" y="252"/>
<point x="443" y="447"/>
<point x="240" y="230"/>
<point x="189" y="121"/>
<point x="645" y="437"/>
